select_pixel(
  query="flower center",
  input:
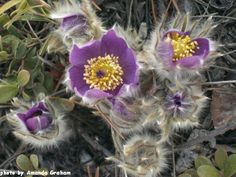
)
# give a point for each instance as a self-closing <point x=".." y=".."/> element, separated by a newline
<point x="103" y="73"/>
<point x="177" y="101"/>
<point x="183" y="45"/>
<point x="37" y="113"/>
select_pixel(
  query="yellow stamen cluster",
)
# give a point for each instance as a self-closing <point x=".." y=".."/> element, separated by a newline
<point x="103" y="73"/>
<point x="183" y="45"/>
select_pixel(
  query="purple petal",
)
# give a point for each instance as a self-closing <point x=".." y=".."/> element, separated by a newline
<point x="45" y="121"/>
<point x="21" y="116"/>
<point x="72" y="21"/>
<point x="80" y="56"/>
<point x="32" y="111"/>
<point x="93" y="95"/>
<point x="112" y="44"/>
<point x="38" y="123"/>
<point x="204" y="47"/>
<point x="175" y="31"/>
<point x="116" y="91"/>
<point x="128" y="65"/>
<point x="77" y="79"/>
<point x="42" y="106"/>
<point x="165" y="51"/>
<point x="36" y="109"/>
<point x="190" y="62"/>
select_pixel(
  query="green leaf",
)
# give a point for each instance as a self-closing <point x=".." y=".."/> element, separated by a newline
<point x="191" y="172"/>
<point x="23" y="77"/>
<point x="230" y="166"/>
<point x="13" y="42"/>
<point x="34" y="17"/>
<point x="4" y="18"/>
<point x="185" y="175"/>
<point x="221" y="157"/>
<point x="24" y="163"/>
<point x="31" y="62"/>
<point x="3" y="55"/>
<point x="201" y="160"/>
<point x="9" y="5"/>
<point x="7" y="92"/>
<point x="35" y="161"/>
<point x="21" y="50"/>
<point x="207" y="171"/>
<point x="48" y="82"/>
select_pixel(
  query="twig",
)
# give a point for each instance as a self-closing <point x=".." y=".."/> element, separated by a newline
<point x="228" y="53"/>
<point x="44" y="4"/>
<point x="6" y="106"/>
<point x="224" y="68"/>
<point x="201" y="2"/>
<point x="208" y="137"/>
<point x="219" y="82"/>
<point x="130" y="12"/>
<point x="89" y="171"/>
<point x="58" y="92"/>
<point x="214" y="16"/>
<point x="154" y="12"/>
<point x="48" y="63"/>
<point x="32" y="30"/>
<point x="228" y="45"/>
<point x="96" y="6"/>
<point x="165" y="16"/>
<point x="147" y="17"/>
<point x="221" y="90"/>
<point x="97" y="172"/>
<point x="59" y="83"/>
<point x="176" y="6"/>
<point x="173" y="158"/>
<point x="109" y="122"/>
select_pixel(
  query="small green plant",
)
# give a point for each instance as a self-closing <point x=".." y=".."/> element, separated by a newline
<point x="221" y="165"/>
<point x="30" y="163"/>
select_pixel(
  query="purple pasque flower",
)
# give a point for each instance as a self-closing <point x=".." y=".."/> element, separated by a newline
<point x="77" y="22"/>
<point x="37" y="118"/>
<point x="70" y="15"/>
<point x="177" y="49"/>
<point x="74" y="23"/>
<point x="178" y="104"/>
<point x="101" y="68"/>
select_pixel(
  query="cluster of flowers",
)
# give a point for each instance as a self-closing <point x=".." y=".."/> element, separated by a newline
<point x="134" y="85"/>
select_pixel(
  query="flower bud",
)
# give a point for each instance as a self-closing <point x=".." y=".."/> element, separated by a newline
<point x="182" y="107"/>
<point x="37" y="123"/>
<point x="78" y="22"/>
<point x="142" y="156"/>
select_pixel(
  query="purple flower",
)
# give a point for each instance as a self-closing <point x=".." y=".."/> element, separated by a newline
<point x="77" y="22"/>
<point x="177" y="104"/>
<point x="176" y="48"/>
<point x="37" y="118"/>
<point x="71" y="16"/>
<point x="101" y="68"/>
